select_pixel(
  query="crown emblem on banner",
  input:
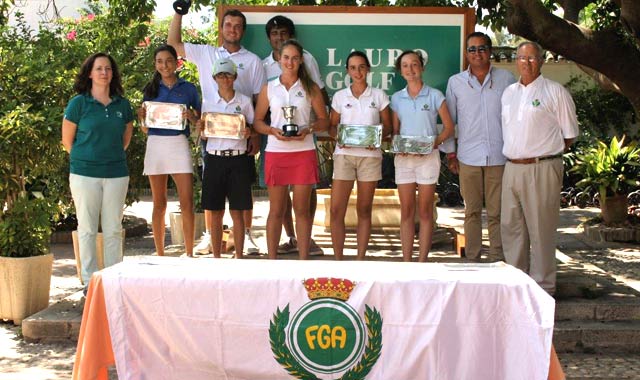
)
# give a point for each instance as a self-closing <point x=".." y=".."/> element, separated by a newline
<point x="327" y="287"/>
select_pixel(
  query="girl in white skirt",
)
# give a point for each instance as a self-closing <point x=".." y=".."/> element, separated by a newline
<point x="168" y="150"/>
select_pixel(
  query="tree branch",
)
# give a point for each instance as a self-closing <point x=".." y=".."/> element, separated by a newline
<point x="630" y="17"/>
<point x="572" y="8"/>
<point x="605" y="51"/>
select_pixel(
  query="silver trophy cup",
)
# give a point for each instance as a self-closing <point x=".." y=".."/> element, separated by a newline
<point x="290" y="128"/>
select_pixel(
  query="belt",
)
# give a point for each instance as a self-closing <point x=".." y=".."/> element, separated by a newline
<point x="535" y="160"/>
<point x="226" y="153"/>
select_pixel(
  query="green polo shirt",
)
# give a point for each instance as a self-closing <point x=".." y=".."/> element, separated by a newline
<point x="98" y="150"/>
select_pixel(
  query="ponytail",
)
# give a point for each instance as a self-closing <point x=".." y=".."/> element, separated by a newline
<point x="152" y="88"/>
<point x="305" y="79"/>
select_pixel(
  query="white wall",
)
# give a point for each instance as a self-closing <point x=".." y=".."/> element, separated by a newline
<point x="37" y="11"/>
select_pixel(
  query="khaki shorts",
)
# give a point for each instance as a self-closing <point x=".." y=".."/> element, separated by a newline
<point x="351" y="168"/>
<point x="423" y="170"/>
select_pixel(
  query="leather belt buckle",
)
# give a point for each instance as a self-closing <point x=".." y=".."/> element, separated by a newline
<point x="534" y="160"/>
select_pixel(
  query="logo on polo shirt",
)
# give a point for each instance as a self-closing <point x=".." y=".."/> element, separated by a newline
<point x="425" y="107"/>
<point x="300" y="94"/>
<point x="119" y="114"/>
<point x="372" y="105"/>
<point x="536" y="103"/>
<point x="327" y="335"/>
<point x="241" y="66"/>
<point x="238" y="109"/>
<point x="348" y="106"/>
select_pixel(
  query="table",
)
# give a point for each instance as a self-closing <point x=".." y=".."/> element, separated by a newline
<point x="171" y="318"/>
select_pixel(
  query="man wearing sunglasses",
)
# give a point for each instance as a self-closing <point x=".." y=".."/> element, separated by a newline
<point x="539" y="123"/>
<point x="473" y="98"/>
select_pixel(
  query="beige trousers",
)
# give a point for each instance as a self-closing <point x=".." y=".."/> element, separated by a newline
<point x="478" y="184"/>
<point x="529" y="218"/>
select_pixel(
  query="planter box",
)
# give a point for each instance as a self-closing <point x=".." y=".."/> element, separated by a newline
<point x="175" y="224"/>
<point x="24" y="286"/>
<point x="385" y="210"/>
<point x="99" y="251"/>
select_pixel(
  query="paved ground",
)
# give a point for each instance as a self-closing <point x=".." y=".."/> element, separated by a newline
<point x="28" y="361"/>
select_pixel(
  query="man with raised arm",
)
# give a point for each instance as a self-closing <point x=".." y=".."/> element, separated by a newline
<point x="251" y="78"/>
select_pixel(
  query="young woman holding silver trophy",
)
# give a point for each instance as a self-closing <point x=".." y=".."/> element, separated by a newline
<point x="415" y="112"/>
<point x="170" y="104"/>
<point x="290" y="157"/>
<point x="360" y="117"/>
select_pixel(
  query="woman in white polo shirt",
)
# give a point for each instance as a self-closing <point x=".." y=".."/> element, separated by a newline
<point x="290" y="160"/>
<point x="359" y="104"/>
<point x="415" y="112"/>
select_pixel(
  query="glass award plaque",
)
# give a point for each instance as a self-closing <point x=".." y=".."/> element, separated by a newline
<point x="224" y="125"/>
<point x="360" y="136"/>
<point x="412" y="144"/>
<point x="165" y="115"/>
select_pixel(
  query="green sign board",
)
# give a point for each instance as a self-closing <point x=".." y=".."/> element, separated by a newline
<point x="331" y="33"/>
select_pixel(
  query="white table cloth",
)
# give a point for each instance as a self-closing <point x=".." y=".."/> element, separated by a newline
<point x="209" y="319"/>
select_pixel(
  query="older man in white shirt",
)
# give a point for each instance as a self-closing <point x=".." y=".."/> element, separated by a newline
<point x="538" y="124"/>
<point x="473" y="99"/>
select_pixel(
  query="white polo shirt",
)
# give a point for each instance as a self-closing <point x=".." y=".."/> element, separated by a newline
<point x="364" y="110"/>
<point x="251" y="75"/>
<point x="272" y="68"/>
<point x="240" y="104"/>
<point x="280" y="97"/>
<point x="537" y="118"/>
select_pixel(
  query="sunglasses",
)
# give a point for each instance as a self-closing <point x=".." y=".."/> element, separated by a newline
<point x="478" y="49"/>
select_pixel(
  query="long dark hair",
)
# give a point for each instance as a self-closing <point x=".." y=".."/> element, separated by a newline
<point x="151" y="89"/>
<point x="305" y="78"/>
<point x="83" y="82"/>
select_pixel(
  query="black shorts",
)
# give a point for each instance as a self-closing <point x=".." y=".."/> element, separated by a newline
<point x="251" y="162"/>
<point x="226" y="178"/>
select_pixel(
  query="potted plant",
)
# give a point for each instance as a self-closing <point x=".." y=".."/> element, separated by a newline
<point x="30" y="85"/>
<point x="611" y="170"/>
<point x="25" y="215"/>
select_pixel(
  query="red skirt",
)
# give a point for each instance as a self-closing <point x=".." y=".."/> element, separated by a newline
<point x="291" y="168"/>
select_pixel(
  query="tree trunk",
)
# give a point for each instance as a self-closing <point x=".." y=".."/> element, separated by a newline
<point x="605" y="51"/>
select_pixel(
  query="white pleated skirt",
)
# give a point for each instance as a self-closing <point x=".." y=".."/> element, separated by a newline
<point x="167" y="155"/>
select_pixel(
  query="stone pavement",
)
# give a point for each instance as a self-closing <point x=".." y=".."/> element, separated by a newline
<point x="54" y="360"/>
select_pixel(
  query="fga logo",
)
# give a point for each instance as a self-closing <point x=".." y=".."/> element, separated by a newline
<point x="327" y="335"/>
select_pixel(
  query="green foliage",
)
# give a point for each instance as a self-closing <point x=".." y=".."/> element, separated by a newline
<point x="609" y="169"/>
<point x="25" y="228"/>
<point x="602" y="14"/>
<point x="600" y="113"/>
<point x="32" y="85"/>
<point x="37" y="71"/>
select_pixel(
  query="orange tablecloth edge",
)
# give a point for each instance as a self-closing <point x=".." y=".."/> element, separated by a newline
<point x="94" y="354"/>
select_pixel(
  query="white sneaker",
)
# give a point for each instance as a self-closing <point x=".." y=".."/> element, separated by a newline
<point x="250" y="246"/>
<point x="205" y="243"/>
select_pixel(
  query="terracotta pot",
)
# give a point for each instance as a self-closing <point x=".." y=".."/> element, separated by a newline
<point x="24" y="286"/>
<point x="614" y="209"/>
